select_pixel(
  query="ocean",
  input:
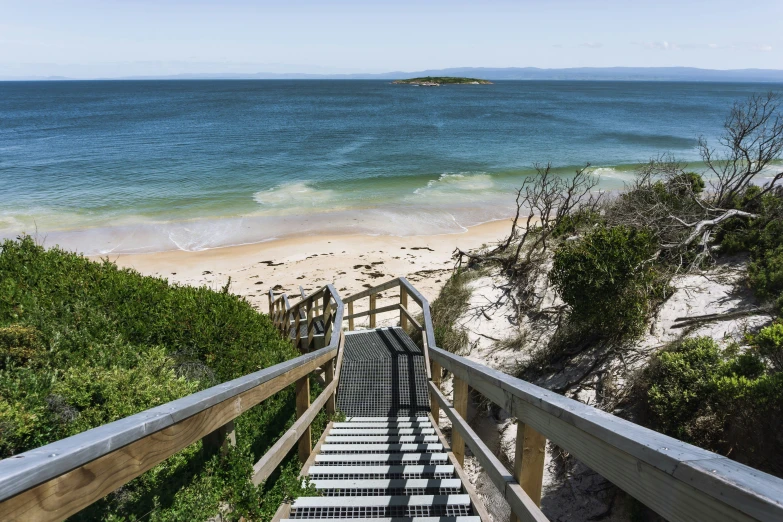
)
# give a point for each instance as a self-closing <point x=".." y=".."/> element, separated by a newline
<point x="141" y="166"/>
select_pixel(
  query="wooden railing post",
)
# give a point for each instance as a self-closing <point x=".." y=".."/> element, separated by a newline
<point x="298" y="328"/>
<point x="302" y="403"/>
<point x="309" y="325"/>
<point x="220" y="439"/>
<point x="434" y="406"/>
<point x="350" y="319"/>
<point x="372" y="307"/>
<point x="404" y="304"/>
<point x="461" y="405"/>
<point x="529" y="461"/>
<point x="329" y="377"/>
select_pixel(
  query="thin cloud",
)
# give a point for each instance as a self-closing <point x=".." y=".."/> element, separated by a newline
<point x="592" y="45"/>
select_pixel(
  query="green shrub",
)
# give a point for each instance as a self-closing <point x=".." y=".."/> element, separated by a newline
<point x="769" y="344"/>
<point x="452" y="301"/>
<point x="84" y="343"/>
<point x="686" y="183"/>
<point x="607" y="280"/>
<point x="718" y="399"/>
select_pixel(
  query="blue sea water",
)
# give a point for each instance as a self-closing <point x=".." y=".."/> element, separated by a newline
<point x="125" y="166"/>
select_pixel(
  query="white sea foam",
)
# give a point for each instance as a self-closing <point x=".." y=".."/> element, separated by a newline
<point x="449" y="187"/>
<point x="294" y="197"/>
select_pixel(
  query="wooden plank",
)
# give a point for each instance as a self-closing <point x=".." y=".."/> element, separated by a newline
<point x="302" y="405"/>
<point x="277" y="453"/>
<point x="374" y="290"/>
<point x="39" y="472"/>
<point x="636" y="459"/>
<point x="373" y="311"/>
<point x="529" y="461"/>
<point x="521" y="505"/>
<point x="404" y="313"/>
<point x="221" y="439"/>
<point x="434" y="405"/>
<point x="404" y="309"/>
<point x="328" y="378"/>
<point x="350" y="317"/>
<point x="339" y="310"/>
<point x="310" y="328"/>
<point x="461" y="406"/>
<point x="478" y="504"/>
<point x="316" y="450"/>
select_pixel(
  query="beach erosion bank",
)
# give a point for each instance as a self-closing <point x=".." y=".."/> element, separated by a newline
<point x="350" y="262"/>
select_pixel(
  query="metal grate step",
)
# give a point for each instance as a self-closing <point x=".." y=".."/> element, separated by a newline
<point x="414" y="471"/>
<point x="387" y="419"/>
<point x="413" y="519"/>
<point x="381" y="439"/>
<point x="382" y="431"/>
<point x="398" y="425"/>
<point x="381" y="448"/>
<point x="380" y="459"/>
<point x="386" y="487"/>
<point x="385" y="506"/>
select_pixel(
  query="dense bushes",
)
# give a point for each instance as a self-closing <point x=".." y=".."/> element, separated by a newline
<point x="607" y="278"/>
<point x="722" y="400"/>
<point x="85" y="343"/>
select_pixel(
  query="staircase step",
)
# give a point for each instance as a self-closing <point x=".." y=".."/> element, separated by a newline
<point x="381" y="439"/>
<point x="392" y="424"/>
<point x="409" y="519"/>
<point x="378" y="459"/>
<point x="378" y="487"/>
<point x="382" y="431"/>
<point x="382" y="448"/>
<point x="413" y="471"/>
<point x="387" y="419"/>
<point x="382" y="506"/>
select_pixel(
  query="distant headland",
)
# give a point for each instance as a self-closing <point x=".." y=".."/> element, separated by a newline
<point x="437" y="81"/>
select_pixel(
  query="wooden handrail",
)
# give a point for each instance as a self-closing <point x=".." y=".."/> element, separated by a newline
<point x="520" y="503"/>
<point x="677" y="480"/>
<point x="57" y="480"/>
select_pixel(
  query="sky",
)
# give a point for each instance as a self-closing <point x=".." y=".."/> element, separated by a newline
<point x="114" y="38"/>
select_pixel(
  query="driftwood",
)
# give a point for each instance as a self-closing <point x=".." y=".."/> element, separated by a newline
<point x="682" y="322"/>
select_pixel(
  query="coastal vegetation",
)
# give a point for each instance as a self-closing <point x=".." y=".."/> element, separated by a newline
<point x="587" y="272"/>
<point x="83" y="343"/>
<point x="435" y="81"/>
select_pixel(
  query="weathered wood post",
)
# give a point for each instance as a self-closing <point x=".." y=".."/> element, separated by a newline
<point x="350" y="319"/>
<point x="461" y="405"/>
<point x="372" y="308"/>
<point x="329" y="377"/>
<point x="434" y="405"/>
<point x="309" y="325"/>
<point x="529" y="460"/>
<point x="302" y="403"/>
<point x="220" y="439"/>
<point x="404" y="304"/>
<point x="298" y="329"/>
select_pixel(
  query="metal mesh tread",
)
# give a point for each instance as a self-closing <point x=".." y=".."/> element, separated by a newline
<point x="378" y="459"/>
<point x="472" y="518"/>
<point x="381" y="506"/>
<point x="383" y="374"/>
<point x="382" y="431"/>
<point x="381" y="439"/>
<point x="393" y="471"/>
<point x="385" y="487"/>
<point x="382" y="448"/>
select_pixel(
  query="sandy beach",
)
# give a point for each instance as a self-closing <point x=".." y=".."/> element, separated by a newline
<point x="350" y="262"/>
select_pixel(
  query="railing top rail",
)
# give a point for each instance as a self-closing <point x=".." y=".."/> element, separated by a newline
<point x="374" y="290"/>
<point x="28" y="469"/>
<point x="429" y="330"/>
<point x="751" y="491"/>
<point x="338" y="315"/>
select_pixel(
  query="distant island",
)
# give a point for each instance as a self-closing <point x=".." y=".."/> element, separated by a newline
<point x="437" y="81"/>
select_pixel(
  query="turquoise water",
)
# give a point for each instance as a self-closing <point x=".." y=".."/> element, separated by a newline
<point x="123" y="166"/>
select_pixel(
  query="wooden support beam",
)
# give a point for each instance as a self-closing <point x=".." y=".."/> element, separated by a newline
<point x="521" y="505"/>
<point x="350" y="316"/>
<point x="267" y="464"/>
<point x="529" y="460"/>
<point x="310" y="328"/>
<point x="434" y="407"/>
<point x="403" y="308"/>
<point x="461" y="405"/>
<point x="302" y="405"/>
<point x="220" y="439"/>
<point x="409" y="317"/>
<point x="372" y="309"/>
<point x="329" y="377"/>
<point x="372" y="312"/>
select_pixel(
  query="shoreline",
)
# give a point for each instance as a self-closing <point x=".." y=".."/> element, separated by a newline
<point x="350" y="262"/>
